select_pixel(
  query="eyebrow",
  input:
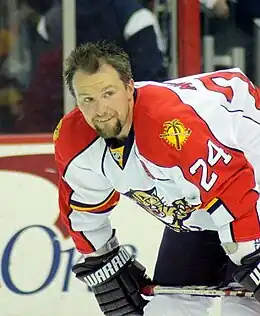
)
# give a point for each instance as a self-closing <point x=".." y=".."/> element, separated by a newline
<point x="107" y="87"/>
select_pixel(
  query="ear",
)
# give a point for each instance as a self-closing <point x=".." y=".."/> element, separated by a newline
<point x="130" y="88"/>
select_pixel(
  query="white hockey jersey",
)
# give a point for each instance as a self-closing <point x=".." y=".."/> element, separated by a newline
<point x="192" y="159"/>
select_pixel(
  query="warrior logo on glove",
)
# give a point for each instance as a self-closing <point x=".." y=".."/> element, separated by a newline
<point x="108" y="270"/>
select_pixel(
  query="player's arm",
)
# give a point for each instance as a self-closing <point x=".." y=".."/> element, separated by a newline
<point x="113" y="274"/>
<point x="85" y="210"/>
<point x="242" y="95"/>
<point x="188" y="152"/>
<point x="86" y="200"/>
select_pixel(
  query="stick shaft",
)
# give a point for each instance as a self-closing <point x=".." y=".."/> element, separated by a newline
<point x="203" y="291"/>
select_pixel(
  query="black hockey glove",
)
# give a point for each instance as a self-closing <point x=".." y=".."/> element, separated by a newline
<point x="115" y="279"/>
<point x="248" y="274"/>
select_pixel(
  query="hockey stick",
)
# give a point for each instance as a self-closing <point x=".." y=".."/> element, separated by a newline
<point x="151" y="290"/>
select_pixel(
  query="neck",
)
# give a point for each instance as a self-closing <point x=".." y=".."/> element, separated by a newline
<point x="128" y="124"/>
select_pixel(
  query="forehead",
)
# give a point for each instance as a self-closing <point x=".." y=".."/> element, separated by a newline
<point x="85" y="82"/>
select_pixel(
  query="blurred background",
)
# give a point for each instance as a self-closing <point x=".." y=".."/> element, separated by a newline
<point x="164" y="39"/>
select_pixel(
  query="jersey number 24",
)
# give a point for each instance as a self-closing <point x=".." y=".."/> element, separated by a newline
<point x="215" y="153"/>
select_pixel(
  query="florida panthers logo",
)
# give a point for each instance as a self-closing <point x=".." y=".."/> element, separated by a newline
<point x="175" y="133"/>
<point x="174" y="214"/>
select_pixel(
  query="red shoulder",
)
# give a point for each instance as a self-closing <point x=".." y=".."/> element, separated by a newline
<point x="162" y="124"/>
<point x="72" y="135"/>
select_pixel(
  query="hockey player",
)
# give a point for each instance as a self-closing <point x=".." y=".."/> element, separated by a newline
<point x="187" y="151"/>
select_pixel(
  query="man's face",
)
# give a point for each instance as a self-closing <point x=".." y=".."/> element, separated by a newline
<point x="103" y="99"/>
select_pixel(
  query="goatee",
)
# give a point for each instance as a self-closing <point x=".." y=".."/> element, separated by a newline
<point x="109" y="131"/>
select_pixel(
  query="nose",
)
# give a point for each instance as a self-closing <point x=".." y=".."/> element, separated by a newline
<point x="100" y="107"/>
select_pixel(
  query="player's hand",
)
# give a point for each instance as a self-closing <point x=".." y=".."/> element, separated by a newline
<point x="248" y="274"/>
<point x="116" y="279"/>
<point x="221" y="9"/>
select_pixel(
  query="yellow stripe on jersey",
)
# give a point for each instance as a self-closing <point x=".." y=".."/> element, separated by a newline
<point x="89" y="209"/>
<point x="99" y="207"/>
<point x="210" y="204"/>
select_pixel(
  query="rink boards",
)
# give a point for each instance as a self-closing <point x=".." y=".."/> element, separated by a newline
<point x="35" y="251"/>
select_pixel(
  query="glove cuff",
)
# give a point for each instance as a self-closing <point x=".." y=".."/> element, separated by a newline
<point x="111" y="244"/>
<point x="248" y="274"/>
<point x="251" y="258"/>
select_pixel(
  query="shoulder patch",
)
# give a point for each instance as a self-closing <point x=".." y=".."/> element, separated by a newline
<point x="175" y="133"/>
<point x="56" y="132"/>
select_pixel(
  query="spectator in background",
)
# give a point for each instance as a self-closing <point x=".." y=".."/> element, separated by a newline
<point x="219" y="7"/>
<point x="231" y="23"/>
<point x="13" y="69"/>
<point x="127" y="23"/>
<point x="18" y="38"/>
<point x="130" y="25"/>
<point x="244" y="11"/>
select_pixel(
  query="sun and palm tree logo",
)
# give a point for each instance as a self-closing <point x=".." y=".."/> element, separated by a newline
<point x="175" y="133"/>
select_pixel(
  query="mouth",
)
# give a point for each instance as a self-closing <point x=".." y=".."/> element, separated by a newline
<point x="104" y="120"/>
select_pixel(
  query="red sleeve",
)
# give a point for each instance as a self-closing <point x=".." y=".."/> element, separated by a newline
<point x="67" y="146"/>
<point x="82" y="243"/>
<point x="175" y="135"/>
